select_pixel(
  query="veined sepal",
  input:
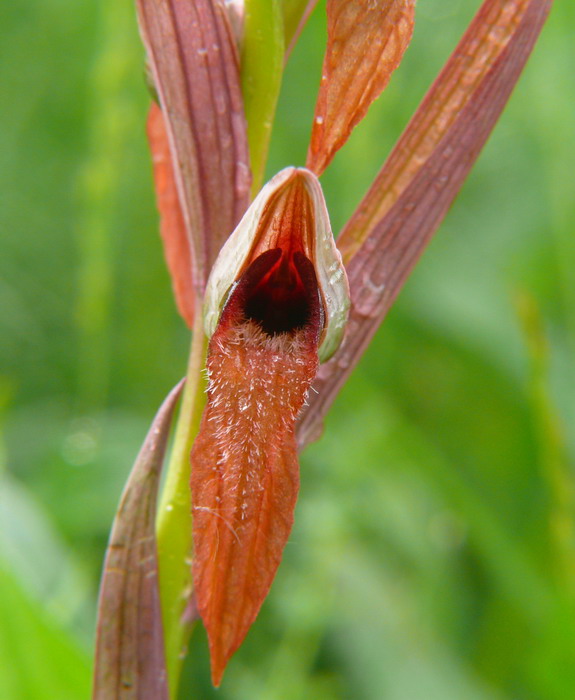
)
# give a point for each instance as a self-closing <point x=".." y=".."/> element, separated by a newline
<point x="260" y="230"/>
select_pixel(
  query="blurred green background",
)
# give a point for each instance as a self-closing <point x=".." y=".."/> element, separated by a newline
<point x="433" y="553"/>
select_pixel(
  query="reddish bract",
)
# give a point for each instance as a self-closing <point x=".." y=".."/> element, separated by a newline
<point x="366" y="42"/>
<point x="172" y="224"/>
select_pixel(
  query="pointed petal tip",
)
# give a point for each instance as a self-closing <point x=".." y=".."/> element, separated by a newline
<point x="366" y="42"/>
<point x="219" y="660"/>
<point x="217" y="677"/>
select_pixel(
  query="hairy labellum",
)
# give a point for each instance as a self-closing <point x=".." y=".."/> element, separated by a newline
<point x="262" y="357"/>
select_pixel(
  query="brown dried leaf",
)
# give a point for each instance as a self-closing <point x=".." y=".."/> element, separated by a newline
<point x="172" y="225"/>
<point x="129" y="640"/>
<point x="412" y="193"/>
<point x="194" y="63"/>
<point x="366" y="41"/>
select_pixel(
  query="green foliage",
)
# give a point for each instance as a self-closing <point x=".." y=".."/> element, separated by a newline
<point x="262" y="58"/>
<point x="41" y="662"/>
<point x="43" y="602"/>
<point x="433" y="554"/>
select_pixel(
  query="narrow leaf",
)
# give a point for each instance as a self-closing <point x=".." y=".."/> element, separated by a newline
<point x="172" y="225"/>
<point x="365" y="44"/>
<point x="130" y="659"/>
<point x="414" y="190"/>
<point x="194" y="64"/>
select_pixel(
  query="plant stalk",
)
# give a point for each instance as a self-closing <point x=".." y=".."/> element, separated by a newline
<point x="174" y="520"/>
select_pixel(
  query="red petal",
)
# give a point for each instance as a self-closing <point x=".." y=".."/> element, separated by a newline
<point x="172" y="225"/>
<point x="366" y="41"/>
<point x="245" y="473"/>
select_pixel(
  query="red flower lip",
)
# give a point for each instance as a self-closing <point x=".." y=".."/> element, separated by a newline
<point x="262" y="357"/>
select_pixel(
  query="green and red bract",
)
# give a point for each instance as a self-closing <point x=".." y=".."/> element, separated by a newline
<point x="262" y="359"/>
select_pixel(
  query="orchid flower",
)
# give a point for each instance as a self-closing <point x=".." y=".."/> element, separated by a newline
<point x="280" y="312"/>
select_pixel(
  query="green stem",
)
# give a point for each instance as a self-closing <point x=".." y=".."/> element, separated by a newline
<point x="262" y="63"/>
<point x="174" y="522"/>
